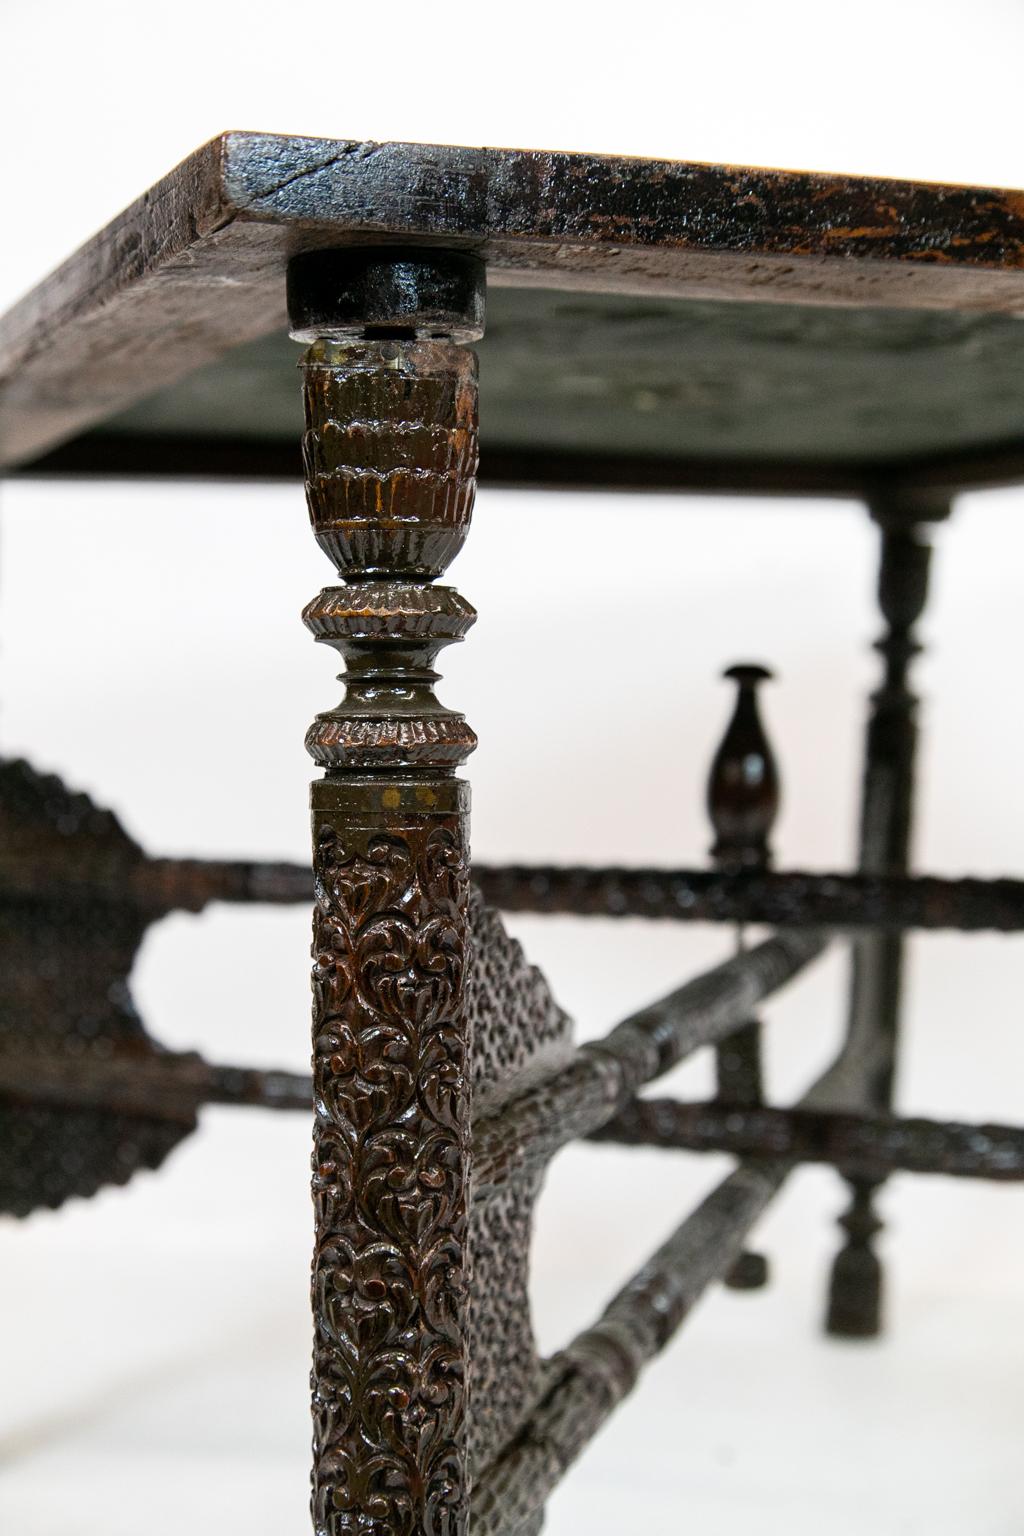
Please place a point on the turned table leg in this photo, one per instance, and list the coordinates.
(390, 452)
(855, 1294)
(743, 802)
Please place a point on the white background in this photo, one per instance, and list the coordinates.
(154, 1342)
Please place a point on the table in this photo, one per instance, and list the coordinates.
(649, 325)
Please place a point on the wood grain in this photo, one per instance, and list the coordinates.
(197, 265)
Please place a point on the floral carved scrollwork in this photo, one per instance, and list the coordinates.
(390, 1158)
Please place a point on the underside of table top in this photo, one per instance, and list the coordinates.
(649, 323)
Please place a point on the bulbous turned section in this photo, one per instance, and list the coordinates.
(743, 801)
(855, 1294)
(390, 452)
(389, 634)
(743, 787)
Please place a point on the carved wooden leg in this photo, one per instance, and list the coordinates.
(743, 802)
(390, 452)
(855, 1295)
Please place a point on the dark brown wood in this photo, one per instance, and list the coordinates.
(390, 452)
(743, 789)
(152, 1084)
(119, 455)
(87, 1096)
(743, 802)
(391, 1168)
(65, 1002)
(154, 886)
(77, 893)
(855, 1291)
(58, 847)
(197, 266)
(418, 1292)
(174, 1087)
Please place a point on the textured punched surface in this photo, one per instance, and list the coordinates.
(64, 993)
(529, 1036)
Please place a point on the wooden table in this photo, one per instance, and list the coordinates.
(649, 325)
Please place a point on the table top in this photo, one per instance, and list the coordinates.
(650, 323)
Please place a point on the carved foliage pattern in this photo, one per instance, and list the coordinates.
(390, 1169)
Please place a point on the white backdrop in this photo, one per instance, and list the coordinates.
(154, 1342)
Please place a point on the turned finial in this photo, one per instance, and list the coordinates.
(743, 802)
(390, 452)
(743, 787)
